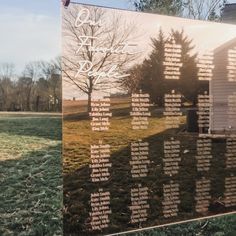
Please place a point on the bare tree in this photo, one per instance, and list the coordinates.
(25, 91)
(98, 52)
(41, 95)
(51, 71)
(6, 84)
(32, 70)
(26, 83)
(47, 69)
(203, 9)
(7, 70)
(168, 7)
(194, 9)
(38, 88)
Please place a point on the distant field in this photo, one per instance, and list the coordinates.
(30, 174)
(71, 107)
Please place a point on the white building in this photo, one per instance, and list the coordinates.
(223, 116)
(223, 90)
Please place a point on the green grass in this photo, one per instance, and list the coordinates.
(30, 173)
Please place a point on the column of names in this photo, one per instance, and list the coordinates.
(230, 153)
(204, 106)
(172, 111)
(139, 159)
(172, 62)
(100, 162)
(172, 157)
(100, 114)
(202, 197)
(231, 110)
(232, 65)
(230, 191)
(139, 204)
(140, 111)
(100, 205)
(204, 154)
(171, 199)
(205, 66)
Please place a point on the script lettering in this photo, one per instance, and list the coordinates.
(83, 17)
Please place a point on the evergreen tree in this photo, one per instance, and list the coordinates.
(153, 80)
(188, 84)
(152, 70)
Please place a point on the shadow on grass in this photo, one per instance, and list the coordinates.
(43, 127)
(31, 193)
(78, 187)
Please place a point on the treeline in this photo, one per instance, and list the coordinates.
(197, 9)
(37, 88)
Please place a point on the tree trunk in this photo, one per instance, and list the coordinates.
(89, 102)
(28, 98)
(90, 94)
(28, 103)
(37, 103)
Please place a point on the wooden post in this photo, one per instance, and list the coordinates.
(66, 2)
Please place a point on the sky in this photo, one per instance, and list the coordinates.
(30, 29)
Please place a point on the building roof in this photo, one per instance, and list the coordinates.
(226, 46)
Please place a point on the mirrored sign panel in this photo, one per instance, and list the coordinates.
(149, 120)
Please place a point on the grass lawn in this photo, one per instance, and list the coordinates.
(30, 175)
(77, 185)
